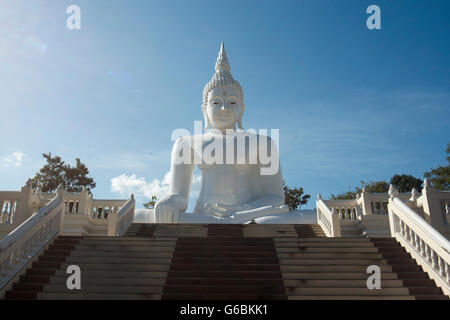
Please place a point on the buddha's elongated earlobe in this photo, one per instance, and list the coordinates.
(205, 116)
(240, 118)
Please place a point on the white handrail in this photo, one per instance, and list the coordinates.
(22, 244)
(119, 222)
(328, 220)
(426, 245)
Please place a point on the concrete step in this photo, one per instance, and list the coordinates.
(227, 274)
(330, 255)
(296, 244)
(218, 281)
(229, 289)
(333, 262)
(101, 260)
(324, 240)
(223, 296)
(96, 296)
(110, 254)
(335, 276)
(225, 267)
(95, 243)
(102, 288)
(342, 283)
(121, 249)
(347, 292)
(386, 297)
(330, 268)
(205, 260)
(104, 266)
(87, 274)
(327, 250)
(95, 280)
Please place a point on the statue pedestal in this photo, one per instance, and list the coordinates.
(307, 216)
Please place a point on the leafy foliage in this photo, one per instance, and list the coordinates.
(440, 177)
(405, 182)
(293, 197)
(56, 171)
(151, 203)
(371, 186)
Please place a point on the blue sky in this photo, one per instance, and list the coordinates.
(351, 103)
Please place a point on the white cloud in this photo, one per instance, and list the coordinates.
(15, 159)
(127, 184)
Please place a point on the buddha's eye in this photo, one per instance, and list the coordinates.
(232, 102)
(215, 102)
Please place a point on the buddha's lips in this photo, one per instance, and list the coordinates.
(224, 116)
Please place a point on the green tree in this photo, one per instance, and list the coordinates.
(371, 186)
(440, 177)
(151, 203)
(405, 182)
(375, 186)
(294, 197)
(345, 195)
(56, 171)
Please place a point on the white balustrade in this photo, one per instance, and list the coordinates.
(120, 220)
(21, 245)
(346, 209)
(327, 219)
(426, 245)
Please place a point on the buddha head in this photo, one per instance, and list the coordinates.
(223, 99)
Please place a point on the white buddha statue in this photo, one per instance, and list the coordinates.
(235, 190)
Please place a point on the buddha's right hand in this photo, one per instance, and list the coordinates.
(167, 208)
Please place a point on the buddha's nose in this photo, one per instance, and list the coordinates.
(222, 107)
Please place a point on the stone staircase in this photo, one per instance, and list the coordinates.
(216, 262)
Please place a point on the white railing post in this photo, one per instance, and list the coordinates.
(60, 194)
(432, 207)
(336, 231)
(24, 206)
(366, 202)
(119, 222)
(112, 224)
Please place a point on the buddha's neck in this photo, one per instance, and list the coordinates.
(226, 130)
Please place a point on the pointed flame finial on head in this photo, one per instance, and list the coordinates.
(222, 63)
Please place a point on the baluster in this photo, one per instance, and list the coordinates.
(5, 212)
(429, 255)
(441, 263)
(418, 243)
(434, 262)
(408, 237)
(3, 269)
(423, 245)
(447, 271)
(402, 228)
(1, 211)
(413, 238)
(13, 211)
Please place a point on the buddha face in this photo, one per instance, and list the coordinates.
(223, 107)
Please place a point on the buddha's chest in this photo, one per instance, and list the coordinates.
(239, 151)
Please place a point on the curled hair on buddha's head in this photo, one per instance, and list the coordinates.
(222, 78)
